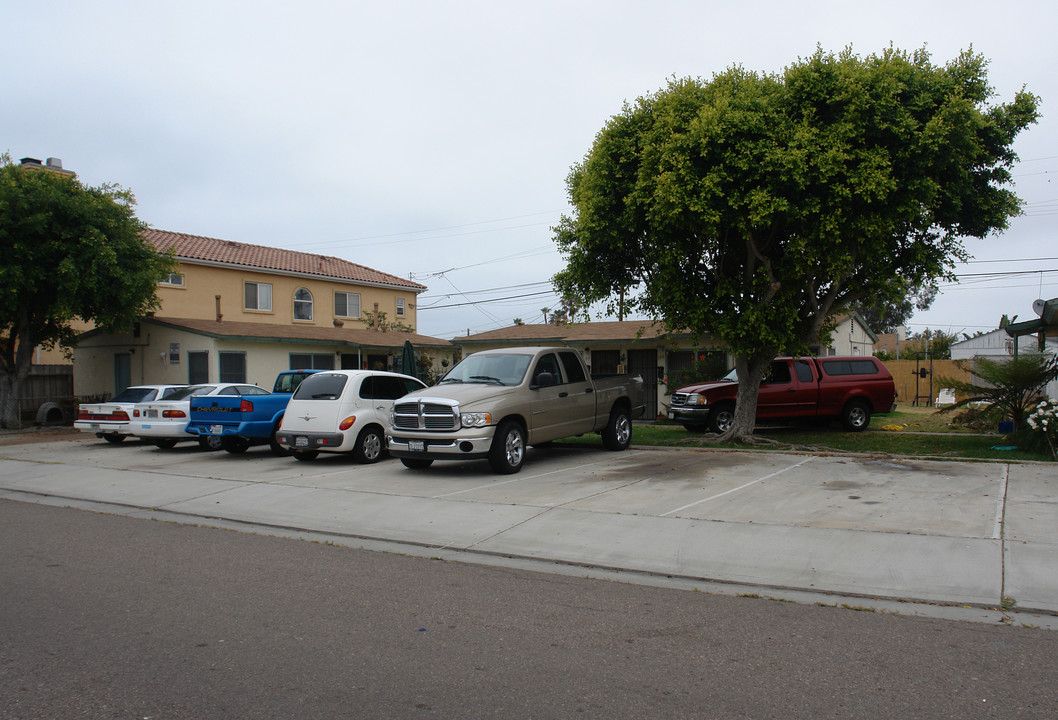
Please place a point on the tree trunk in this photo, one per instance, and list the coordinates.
(9, 386)
(11, 380)
(750, 372)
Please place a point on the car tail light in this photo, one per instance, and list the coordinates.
(120, 415)
(84, 415)
(347, 423)
(135, 413)
(246, 406)
(173, 413)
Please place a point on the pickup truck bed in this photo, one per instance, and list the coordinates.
(242, 421)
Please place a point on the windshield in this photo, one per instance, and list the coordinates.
(134, 395)
(732, 376)
(321, 386)
(497, 369)
(189, 391)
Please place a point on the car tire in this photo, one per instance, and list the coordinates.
(856, 416)
(416, 463)
(277, 449)
(166, 444)
(234, 444)
(305, 454)
(508, 448)
(114, 438)
(370, 445)
(210, 442)
(721, 418)
(617, 435)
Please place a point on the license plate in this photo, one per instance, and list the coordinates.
(301, 442)
(417, 445)
(672, 416)
(151, 413)
(216, 429)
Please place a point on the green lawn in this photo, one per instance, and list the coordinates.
(921, 434)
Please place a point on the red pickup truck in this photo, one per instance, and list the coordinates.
(849, 389)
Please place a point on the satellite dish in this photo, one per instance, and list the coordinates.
(1037, 307)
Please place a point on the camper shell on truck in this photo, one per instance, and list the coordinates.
(845, 388)
(495, 403)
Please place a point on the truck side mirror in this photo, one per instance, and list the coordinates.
(543, 380)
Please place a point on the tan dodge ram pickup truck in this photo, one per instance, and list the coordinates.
(495, 403)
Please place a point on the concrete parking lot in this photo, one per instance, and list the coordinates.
(979, 534)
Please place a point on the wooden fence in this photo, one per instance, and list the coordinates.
(911, 386)
(46, 396)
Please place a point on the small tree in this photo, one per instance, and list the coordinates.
(67, 252)
(1012, 386)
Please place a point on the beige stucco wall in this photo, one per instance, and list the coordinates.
(202, 283)
(149, 358)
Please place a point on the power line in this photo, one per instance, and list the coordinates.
(385, 239)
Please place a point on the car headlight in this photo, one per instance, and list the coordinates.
(475, 419)
(695, 399)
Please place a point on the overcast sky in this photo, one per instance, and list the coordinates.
(432, 140)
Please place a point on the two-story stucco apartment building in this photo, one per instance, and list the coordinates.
(235, 312)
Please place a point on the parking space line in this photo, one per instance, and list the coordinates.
(1001, 504)
(732, 490)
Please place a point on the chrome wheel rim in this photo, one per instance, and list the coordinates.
(515, 448)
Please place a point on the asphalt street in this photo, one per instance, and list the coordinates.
(109, 616)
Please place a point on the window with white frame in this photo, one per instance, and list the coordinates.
(347, 304)
(400, 307)
(174, 279)
(258, 296)
(302, 304)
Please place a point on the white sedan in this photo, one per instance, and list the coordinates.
(165, 421)
(343, 411)
(110, 420)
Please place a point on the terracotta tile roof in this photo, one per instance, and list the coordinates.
(264, 332)
(197, 247)
(612, 331)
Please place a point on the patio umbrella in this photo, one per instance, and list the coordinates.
(408, 360)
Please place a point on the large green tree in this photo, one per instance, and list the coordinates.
(67, 252)
(753, 207)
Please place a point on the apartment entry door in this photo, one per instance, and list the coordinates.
(645, 364)
(122, 371)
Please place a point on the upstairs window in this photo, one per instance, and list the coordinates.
(173, 279)
(347, 304)
(400, 307)
(302, 304)
(258, 296)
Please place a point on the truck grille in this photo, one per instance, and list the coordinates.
(678, 399)
(425, 416)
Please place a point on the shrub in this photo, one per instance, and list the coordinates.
(1043, 422)
(1012, 385)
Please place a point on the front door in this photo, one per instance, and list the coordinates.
(198, 367)
(122, 371)
(645, 364)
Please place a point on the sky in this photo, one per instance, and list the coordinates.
(432, 140)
